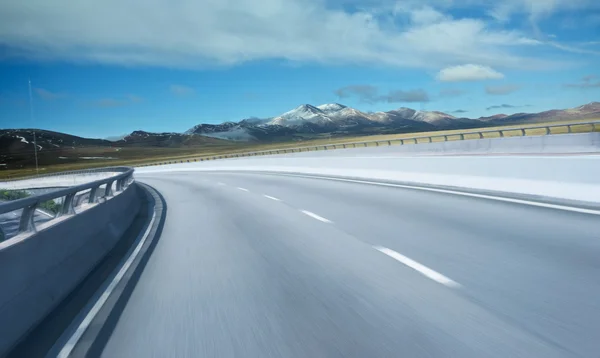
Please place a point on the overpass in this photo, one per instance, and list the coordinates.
(349, 253)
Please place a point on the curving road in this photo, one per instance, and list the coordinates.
(253, 265)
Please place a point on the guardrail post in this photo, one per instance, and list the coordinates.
(92, 198)
(26, 223)
(353, 145)
(501, 133)
(430, 140)
(445, 138)
(593, 127)
(108, 190)
(344, 146)
(120, 184)
(401, 141)
(389, 142)
(377, 144)
(462, 136)
(67, 205)
(480, 135)
(568, 128)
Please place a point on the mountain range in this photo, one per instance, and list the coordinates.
(338, 120)
(302, 123)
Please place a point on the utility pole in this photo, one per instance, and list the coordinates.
(37, 170)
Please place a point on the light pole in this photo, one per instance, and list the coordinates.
(37, 170)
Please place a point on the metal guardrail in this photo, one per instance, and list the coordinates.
(30, 204)
(69, 172)
(501, 131)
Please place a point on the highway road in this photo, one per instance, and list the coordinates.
(9, 222)
(257, 265)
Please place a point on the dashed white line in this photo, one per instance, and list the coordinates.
(446, 191)
(271, 197)
(242, 189)
(424, 270)
(315, 216)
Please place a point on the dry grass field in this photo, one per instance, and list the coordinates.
(137, 156)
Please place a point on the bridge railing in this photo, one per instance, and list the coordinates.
(66, 197)
(479, 133)
(68, 172)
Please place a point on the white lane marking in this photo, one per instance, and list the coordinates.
(271, 197)
(242, 189)
(45, 213)
(426, 271)
(219, 183)
(446, 191)
(315, 216)
(83, 326)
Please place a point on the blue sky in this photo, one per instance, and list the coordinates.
(106, 68)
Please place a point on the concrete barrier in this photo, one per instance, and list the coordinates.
(38, 271)
(573, 177)
(551, 144)
(560, 143)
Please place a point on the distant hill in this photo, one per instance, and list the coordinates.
(302, 123)
(171, 140)
(17, 148)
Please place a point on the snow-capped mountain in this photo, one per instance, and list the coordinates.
(338, 119)
(331, 108)
(302, 115)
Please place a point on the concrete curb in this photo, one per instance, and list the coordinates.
(97, 331)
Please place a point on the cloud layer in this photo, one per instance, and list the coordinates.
(469, 72)
(188, 33)
(589, 81)
(47, 95)
(181, 90)
(501, 89)
(505, 106)
(112, 102)
(370, 94)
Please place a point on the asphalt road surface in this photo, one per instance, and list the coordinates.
(9, 222)
(255, 265)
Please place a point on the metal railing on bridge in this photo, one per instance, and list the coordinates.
(66, 197)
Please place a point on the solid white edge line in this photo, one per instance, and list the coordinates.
(315, 216)
(447, 191)
(424, 270)
(83, 326)
(271, 197)
(242, 189)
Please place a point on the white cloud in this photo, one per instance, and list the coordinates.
(426, 15)
(503, 10)
(180, 90)
(468, 72)
(194, 33)
(49, 95)
(501, 89)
